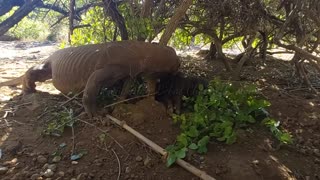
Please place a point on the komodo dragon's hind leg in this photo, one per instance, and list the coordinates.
(39, 73)
(106, 77)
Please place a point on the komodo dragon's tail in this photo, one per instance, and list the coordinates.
(14, 82)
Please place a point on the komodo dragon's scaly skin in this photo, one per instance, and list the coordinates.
(89, 67)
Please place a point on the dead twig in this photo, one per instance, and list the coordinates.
(70, 99)
(44, 113)
(115, 154)
(6, 114)
(160, 150)
(6, 121)
(73, 137)
(13, 109)
(130, 99)
(23, 104)
(119, 164)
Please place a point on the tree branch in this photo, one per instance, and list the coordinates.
(18, 15)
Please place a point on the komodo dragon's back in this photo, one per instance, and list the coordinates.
(71, 67)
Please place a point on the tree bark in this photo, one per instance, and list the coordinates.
(174, 21)
(71, 17)
(146, 9)
(7, 5)
(220, 54)
(18, 15)
(212, 52)
(112, 10)
(263, 46)
(246, 55)
(145, 13)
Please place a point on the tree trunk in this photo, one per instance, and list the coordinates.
(18, 15)
(220, 54)
(71, 17)
(112, 10)
(7, 5)
(174, 21)
(263, 46)
(115, 32)
(212, 52)
(145, 13)
(146, 9)
(246, 55)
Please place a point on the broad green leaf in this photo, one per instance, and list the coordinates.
(286, 138)
(232, 138)
(202, 149)
(182, 139)
(228, 131)
(193, 132)
(170, 148)
(181, 153)
(193, 146)
(171, 159)
(203, 141)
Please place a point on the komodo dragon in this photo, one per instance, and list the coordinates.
(90, 67)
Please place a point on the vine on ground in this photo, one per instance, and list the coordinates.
(216, 113)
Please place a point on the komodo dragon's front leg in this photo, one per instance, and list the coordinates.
(107, 77)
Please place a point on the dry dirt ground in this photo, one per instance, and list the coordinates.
(26, 152)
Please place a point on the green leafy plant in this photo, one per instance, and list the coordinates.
(101, 28)
(60, 121)
(216, 113)
(283, 137)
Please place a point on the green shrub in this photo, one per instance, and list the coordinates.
(216, 113)
(29, 28)
(100, 30)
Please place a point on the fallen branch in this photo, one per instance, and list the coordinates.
(70, 99)
(160, 150)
